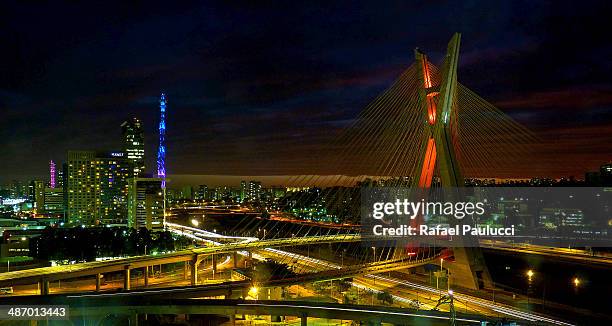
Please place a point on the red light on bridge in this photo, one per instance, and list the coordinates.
(431, 107)
(426, 75)
(428, 164)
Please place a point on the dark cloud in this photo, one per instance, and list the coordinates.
(257, 88)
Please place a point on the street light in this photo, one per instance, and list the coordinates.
(576, 281)
(530, 274)
(253, 292)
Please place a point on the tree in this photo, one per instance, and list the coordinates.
(270, 270)
(385, 297)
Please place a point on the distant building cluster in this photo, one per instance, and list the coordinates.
(96, 187)
(249, 192)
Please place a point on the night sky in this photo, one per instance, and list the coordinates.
(253, 89)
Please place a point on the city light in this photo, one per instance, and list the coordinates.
(52, 174)
(262, 196)
(161, 152)
(254, 292)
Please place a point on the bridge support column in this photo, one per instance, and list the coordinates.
(126, 278)
(146, 276)
(44, 287)
(469, 269)
(214, 265)
(235, 259)
(185, 270)
(195, 262)
(134, 319)
(98, 282)
(304, 320)
(249, 261)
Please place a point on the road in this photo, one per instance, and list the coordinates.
(54, 273)
(576, 255)
(410, 292)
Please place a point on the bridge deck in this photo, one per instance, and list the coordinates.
(54, 273)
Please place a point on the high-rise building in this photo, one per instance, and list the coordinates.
(81, 187)
(187, 193)
(112, 173)
(202, 193)
(96, 187)
(54, 201)
(277, 191)
(553, 217)
(243, 190)
(133, 144)
(222, 193)
(146, 203)
(30, 191)
(39, 195)
(18, 190)
(254, 190)
(60, 176)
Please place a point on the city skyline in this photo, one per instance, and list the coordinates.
(438, 163)
(282, 101)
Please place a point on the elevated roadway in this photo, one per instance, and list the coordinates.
(194, 256)
(96, 309)
(567, 254)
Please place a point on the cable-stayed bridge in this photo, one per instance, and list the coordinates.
(427, 130)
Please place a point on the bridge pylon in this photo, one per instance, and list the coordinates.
(439, 101)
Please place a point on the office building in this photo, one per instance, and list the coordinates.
(18, 190)
(60, 180)
(81, 187)
(54, 201)
(133, 145)
(146, 203)
(39, 195)
(96, 187)
(202, 193)
(243, 190)
(552, 217)
(187, 193)
(254, 191)
(112, 173)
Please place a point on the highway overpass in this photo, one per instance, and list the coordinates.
(567, 254)
(94, 310)
(45, 275)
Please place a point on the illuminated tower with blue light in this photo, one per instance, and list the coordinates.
(161, 151)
